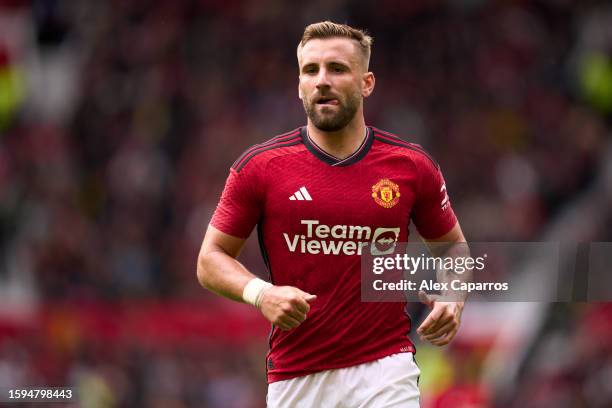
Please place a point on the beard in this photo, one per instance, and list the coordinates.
(328, 121)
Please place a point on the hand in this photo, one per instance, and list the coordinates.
(442, 323)
(286, 306)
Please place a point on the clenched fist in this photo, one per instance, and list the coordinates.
(286, 306)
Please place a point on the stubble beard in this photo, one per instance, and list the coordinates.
(332, 122)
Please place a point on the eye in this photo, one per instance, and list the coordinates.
(338, 68)
(310, 69)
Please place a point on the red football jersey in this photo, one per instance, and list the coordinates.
(315, 214)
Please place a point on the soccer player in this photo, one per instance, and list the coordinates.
(319, 195)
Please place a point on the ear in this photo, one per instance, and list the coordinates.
(300, 94)
(368, 81)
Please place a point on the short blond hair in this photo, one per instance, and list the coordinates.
(329, 29)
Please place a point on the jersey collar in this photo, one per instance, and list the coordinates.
(322, 155)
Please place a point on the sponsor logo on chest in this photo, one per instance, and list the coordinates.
(342, 239)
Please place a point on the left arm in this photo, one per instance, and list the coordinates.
(442, 323)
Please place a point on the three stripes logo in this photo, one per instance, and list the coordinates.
(301, 195)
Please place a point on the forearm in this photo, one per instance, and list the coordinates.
(219, 272)
(452, 245)
(442, 323)
(223, 274)
(455, 251)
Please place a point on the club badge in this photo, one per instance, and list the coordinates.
(386, 193)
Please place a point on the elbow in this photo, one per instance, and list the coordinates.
(202, 269)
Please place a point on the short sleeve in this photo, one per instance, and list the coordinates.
(432, 213)
(239, 208)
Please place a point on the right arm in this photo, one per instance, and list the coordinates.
(219, 271)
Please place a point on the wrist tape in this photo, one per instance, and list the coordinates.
(253, 291)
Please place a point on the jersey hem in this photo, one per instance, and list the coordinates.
(274, 377)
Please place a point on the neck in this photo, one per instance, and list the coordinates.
(341, 143)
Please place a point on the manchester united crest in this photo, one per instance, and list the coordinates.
(386, 193)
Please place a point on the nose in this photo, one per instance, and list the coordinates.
(322, 79)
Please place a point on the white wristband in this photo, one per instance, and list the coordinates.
(253, 291)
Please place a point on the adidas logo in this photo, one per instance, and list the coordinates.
(301, 195)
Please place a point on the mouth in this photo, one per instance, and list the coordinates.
(327, 101)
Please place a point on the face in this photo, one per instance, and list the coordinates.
(333, 82)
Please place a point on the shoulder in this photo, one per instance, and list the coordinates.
(284, 143)
(395, 144)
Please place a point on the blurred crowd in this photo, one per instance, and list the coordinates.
(119, 121)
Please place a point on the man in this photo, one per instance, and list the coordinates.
(319, 195)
